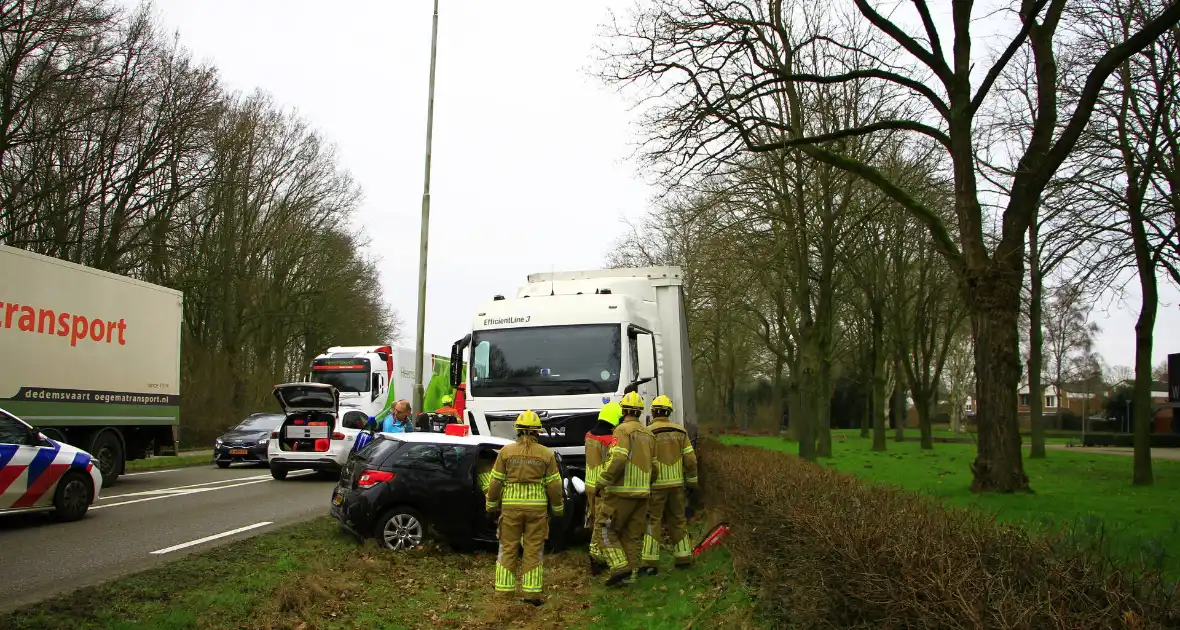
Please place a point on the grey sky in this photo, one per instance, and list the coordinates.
(529, 168)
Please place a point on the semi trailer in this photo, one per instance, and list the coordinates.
(90, 358)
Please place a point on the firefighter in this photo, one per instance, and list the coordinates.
(526, 482)
(599, 439)
(666, 506)
(448, 408)
(624, 486)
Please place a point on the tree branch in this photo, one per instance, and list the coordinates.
(881, 125)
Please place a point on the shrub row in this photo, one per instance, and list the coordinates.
(827, 550)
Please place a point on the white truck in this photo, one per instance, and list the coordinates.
(90, 358)
(370, 379)
(570, 342)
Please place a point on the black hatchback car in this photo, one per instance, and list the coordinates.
(247, 442)
(403, 487)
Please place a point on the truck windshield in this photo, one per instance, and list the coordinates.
(351, 382)
(546, 360)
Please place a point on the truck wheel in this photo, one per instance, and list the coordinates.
(73, 495)
(108, 450)
(55, 435)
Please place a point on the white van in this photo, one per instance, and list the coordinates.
(313, 435)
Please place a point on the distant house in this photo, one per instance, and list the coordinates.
(1162, 422)
(1081, 399)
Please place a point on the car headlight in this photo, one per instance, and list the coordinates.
(264, 440)
(218, 442)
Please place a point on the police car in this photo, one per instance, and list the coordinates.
(40, 474)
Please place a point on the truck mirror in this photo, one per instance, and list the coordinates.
(457, 360)
(645, 345)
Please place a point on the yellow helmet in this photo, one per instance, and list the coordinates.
(528, 421)
(661, 406)
(632, 401)
(448, 399)
(611, 413)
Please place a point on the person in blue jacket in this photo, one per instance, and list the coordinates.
(399, 420)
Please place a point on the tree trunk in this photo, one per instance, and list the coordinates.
(1036, 342)
(1144, 331)
(776, 393)
(866, 420)
(793, 410)
(923, 405)
(809, 391)
(994, 300)
(880, 385)
(898, 402)
(823, 409)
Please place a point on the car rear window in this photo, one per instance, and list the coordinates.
(379, 450)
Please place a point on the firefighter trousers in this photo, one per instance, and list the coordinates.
(596, 550)
(621, 523)
(527, 527)
(666, 510)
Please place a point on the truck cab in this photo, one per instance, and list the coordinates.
(364, 376)
(569, 342)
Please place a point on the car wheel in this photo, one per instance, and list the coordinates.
(278, 473)
(400, 528)
(73, 495)
(221, 464)
(108, 453)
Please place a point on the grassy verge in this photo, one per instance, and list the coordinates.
(1089, 493)
(171, 461)
(311, 576)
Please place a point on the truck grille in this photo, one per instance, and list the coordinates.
(558, 428)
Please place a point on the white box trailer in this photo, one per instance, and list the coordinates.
(90, 358)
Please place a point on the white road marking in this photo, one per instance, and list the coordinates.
(185, 487)
(208, 538)
(185, 493)
(151, 472)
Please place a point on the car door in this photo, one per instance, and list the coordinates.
(430, 486)
(483, 524)
(26, 475)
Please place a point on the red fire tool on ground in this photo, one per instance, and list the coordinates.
(713, 539)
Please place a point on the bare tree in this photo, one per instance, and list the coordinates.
(715, 64)
(1069, 334)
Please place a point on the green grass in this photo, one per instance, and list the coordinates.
(309, 575)
(1089, 493)
(171, 461)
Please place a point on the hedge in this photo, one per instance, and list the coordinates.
(826, 550)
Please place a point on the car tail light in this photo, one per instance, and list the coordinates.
(371, 477)
(322, 445)
(274, 435)
(337, 436)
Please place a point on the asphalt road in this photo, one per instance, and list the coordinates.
(146, 519)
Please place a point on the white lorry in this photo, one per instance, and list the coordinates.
(370, 379)
(90, 358)
(570, 342)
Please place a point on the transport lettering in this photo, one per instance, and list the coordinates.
(48, 322)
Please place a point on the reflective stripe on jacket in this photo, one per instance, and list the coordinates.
(632, 466)
(525, 476)
(675, 457)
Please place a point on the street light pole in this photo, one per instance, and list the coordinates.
(419, 342)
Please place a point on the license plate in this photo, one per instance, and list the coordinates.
(238, 451)
(338, 499)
